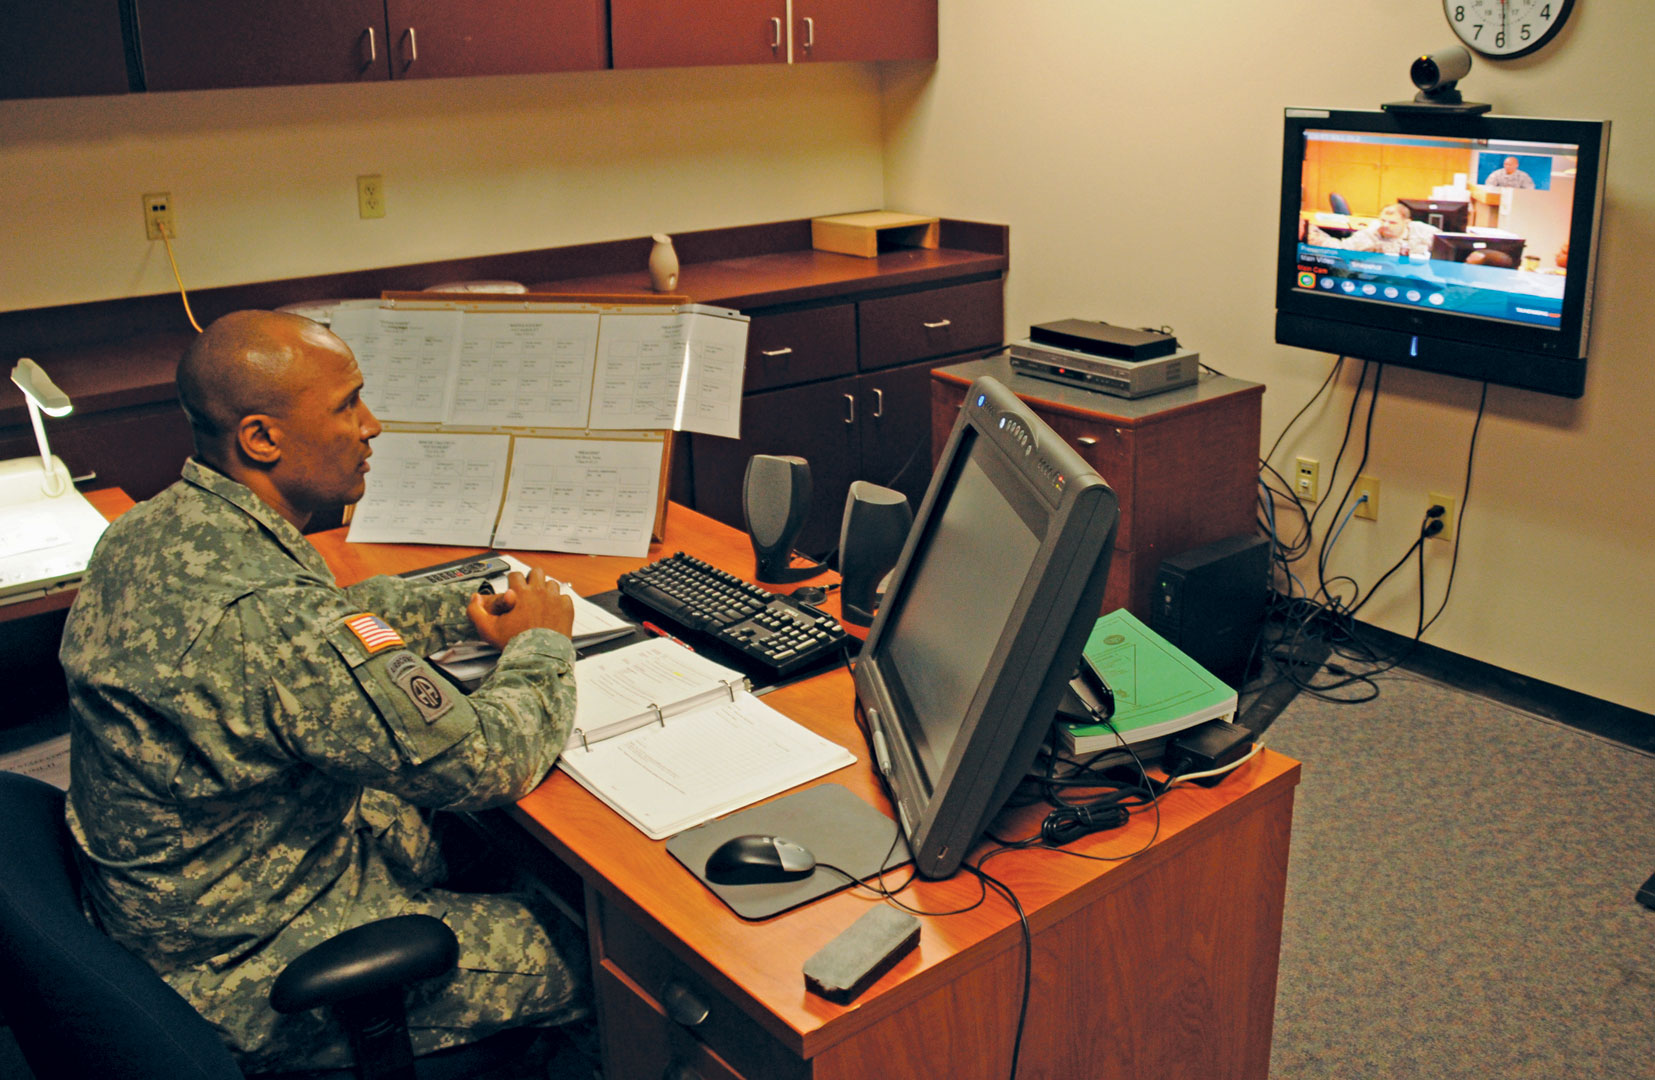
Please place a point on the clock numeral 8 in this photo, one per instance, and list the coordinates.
(1459, 14)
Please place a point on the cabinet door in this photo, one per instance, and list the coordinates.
(433, 39)
(894, 429)
(62, 49)
(686, 33)
(864, 30)
(202, 44)
(815, 422)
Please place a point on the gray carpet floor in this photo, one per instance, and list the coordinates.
(1460, 896)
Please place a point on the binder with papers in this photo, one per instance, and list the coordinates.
(669, 739)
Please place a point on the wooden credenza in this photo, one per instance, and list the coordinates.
(1184, 464)
(839, 353)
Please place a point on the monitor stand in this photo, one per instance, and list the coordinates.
(832, 821)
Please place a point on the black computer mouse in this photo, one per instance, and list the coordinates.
(754, 860)
(809, 594)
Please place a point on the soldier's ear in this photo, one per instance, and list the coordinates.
(259, 438)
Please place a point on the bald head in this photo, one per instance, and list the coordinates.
(275, 402)
(244, 363)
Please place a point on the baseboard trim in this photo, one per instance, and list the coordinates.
(1621, 724)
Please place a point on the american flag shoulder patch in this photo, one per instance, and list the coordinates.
(373, 633)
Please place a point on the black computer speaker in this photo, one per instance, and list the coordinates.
(871, 535)
(775, 499)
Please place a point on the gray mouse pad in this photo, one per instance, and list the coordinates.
(829, 819)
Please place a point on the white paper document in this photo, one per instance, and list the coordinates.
(591, 496)
(681, 371)
(432, 488)
(528, 370)
(48, 761)
(44, 540)
(680, 762)
(407, 358)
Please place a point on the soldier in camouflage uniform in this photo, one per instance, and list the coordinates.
(251, 744)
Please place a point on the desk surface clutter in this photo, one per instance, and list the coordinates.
(1193, 922)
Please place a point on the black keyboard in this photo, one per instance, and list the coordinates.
(772, 636)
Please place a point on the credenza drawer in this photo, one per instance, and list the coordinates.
(934, 322)
(687, 1009)
(787, 347)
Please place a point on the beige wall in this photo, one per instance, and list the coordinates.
(263, 181)
(1134, 149)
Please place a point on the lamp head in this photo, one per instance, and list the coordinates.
(39, 389)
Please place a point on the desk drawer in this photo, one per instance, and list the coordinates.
(691, 1017)
(935, 322)
(805, 345)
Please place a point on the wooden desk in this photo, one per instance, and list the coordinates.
(1160, 966)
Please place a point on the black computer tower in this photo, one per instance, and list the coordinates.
(1210, 603)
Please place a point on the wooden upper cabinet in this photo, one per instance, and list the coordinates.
(687, 33)
(62, 49)
(433, 39)
(864, 30)
(203, 44)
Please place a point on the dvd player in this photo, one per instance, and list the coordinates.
(1122, 378)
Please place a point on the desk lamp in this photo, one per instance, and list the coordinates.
(43, 396)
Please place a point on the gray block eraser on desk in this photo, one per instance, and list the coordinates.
(867, 949)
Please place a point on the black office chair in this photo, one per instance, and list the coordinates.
(1338, 203)
(81, 1006)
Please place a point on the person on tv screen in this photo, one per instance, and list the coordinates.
(1510, 176)
(1395, 233)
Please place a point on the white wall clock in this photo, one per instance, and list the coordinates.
(1506, 28)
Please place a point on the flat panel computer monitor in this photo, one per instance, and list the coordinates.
(991, 601)
(1449, 215)
(1527, 324)
(1501, 252)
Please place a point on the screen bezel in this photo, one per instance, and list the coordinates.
(1456, 343)
(1036, 650)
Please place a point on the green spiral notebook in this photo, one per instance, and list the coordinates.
(1158, 690)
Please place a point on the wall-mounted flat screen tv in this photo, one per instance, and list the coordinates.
(1450, 243)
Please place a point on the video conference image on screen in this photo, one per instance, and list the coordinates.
(1472, 226)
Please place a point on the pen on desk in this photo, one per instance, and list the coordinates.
(658, 632)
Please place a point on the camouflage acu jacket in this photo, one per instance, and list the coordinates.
(249, 740)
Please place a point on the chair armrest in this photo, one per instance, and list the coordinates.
(365, 960)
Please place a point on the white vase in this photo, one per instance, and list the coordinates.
(663, 265)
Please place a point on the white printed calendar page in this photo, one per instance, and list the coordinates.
(680, 370)
(529, 370)
(591, 496)
(432, 488)
(406, 358)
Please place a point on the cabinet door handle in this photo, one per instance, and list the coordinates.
(878, 403)
(850, 409)
(775, 33)
(810, 31)
(786, 350)
(682, 1005)
(413, 46)
(373, 52)
(1087, 440)
(939, 324)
